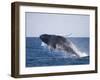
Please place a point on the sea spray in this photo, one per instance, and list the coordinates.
(77, 51)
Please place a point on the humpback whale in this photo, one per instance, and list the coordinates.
(56, 42)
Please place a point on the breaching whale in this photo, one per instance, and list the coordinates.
(56, 42)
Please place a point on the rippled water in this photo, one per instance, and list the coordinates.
(37, 55)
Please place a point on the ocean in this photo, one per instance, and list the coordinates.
(38, 56)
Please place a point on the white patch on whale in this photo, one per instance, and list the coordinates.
(43, 44)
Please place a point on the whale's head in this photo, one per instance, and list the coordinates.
(45, 38)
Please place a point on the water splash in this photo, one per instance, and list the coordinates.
(77, 51)
(66, 55)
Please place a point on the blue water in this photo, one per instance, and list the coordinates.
(37, 55)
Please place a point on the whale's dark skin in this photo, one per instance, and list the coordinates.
(57, 42)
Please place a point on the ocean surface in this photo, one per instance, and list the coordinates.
(37, 55)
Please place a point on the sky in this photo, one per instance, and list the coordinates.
(70, 25)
